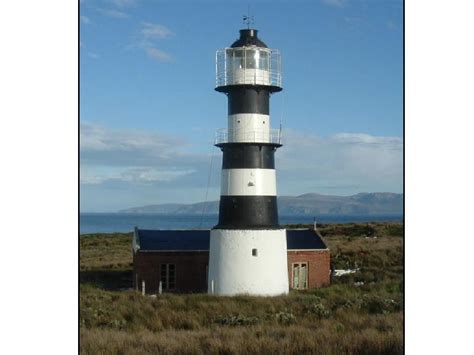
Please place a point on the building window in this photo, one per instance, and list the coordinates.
(300, 276)
(254, 252)
(168, 276)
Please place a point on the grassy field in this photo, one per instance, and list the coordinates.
(360, 313)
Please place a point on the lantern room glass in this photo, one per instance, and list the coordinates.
(248, 65)
(247, 59)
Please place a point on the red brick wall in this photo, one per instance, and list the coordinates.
(318, 266)
(190, 270)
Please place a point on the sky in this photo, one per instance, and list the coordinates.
(149, 112)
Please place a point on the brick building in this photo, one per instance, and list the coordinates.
(180, 260)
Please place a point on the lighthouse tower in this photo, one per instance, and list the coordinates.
(248, 253)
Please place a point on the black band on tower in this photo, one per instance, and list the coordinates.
(248, 156)
(248, 212)
(248, 99)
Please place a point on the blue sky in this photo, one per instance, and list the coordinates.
(148, 108)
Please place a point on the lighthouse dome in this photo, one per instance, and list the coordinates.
(248, 38)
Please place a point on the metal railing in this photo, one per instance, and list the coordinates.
(236, 70)
(225, 135)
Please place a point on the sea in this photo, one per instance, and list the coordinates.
(126, 222)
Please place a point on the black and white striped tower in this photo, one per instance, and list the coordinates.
(248, 253)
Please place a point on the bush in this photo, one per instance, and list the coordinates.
(319, 310)
(374, 304)
(237, 320)
(285, 318)
(395, 230)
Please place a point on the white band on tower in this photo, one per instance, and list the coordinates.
(248, 182)
(249, 127)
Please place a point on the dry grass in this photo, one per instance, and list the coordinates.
(345, 318)
(323, 338)
(105, 251)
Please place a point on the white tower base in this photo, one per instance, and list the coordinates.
(253, 262)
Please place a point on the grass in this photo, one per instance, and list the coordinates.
(360, 313)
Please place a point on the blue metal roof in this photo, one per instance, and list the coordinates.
(304, 239)
(173, 239)
(198, 239)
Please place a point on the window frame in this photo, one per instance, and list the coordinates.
(165, 277)
(301, 285)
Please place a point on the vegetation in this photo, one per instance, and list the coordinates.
(360, 313)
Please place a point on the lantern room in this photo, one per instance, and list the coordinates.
(248, 62)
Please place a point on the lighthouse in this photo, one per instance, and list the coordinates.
(248, 247)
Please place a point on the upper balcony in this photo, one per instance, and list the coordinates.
(248, 66)
(271, 136)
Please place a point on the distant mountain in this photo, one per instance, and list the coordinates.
(308, 204)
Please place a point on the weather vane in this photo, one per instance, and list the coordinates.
(248, 19)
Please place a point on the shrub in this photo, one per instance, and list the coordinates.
(319, 310)
(339, 327)
(285, 318)
(375, 304)
(395, 230)
(237, 320)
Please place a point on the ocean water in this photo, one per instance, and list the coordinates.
(125, 222)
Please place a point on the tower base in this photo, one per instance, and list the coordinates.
(253, 262)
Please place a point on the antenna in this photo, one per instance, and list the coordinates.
(248, 19)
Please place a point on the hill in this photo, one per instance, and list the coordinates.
(311, 204)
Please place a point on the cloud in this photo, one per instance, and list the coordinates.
(353, 161)
(132, 175)
(152, 174)
(123, 168)
(335, 3)
(99, 139)
(113, 13)
(354, 21)
(157, 54)
(86, 20)
(149, 35)
(155, 31)
(86, 179)
(367, 139)
(391, 26)
(93, 55)
(123, 3)
(135, 156)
